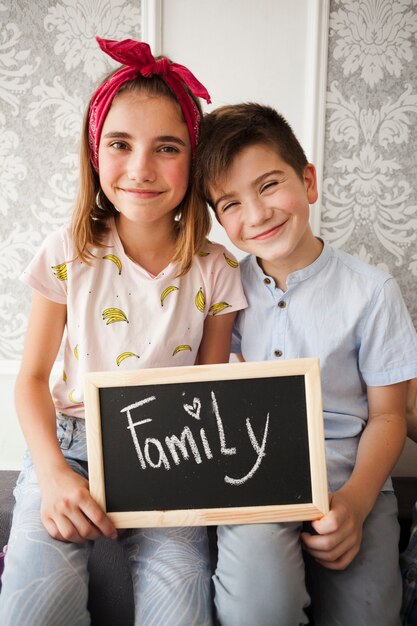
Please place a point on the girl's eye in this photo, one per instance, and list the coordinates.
(168, 149)
(269, 185)
(119, 145)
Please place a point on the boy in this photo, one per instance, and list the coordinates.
(308, 300)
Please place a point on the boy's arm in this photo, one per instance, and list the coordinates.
(340, 531)
(411, 413)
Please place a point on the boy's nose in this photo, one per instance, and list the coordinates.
(140, 167)
(256, 212)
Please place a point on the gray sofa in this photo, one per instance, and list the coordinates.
(110, 597)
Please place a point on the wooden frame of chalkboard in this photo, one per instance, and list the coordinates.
(207, 444)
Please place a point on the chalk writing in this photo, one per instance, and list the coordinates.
(151, 452)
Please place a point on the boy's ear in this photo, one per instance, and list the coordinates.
(310, 183)
(217, 217)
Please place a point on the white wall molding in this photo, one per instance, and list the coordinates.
(152, 24)
(315, 104)
(9, 368)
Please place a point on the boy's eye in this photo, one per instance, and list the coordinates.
(269, 185)
(228, 206)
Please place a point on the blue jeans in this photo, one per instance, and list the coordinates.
(408, 562)
(262, 571)
(45, 581)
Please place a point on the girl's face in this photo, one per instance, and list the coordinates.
(144, 157)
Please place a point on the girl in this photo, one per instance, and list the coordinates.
(131, 282)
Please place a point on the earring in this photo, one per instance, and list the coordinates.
(98, 200)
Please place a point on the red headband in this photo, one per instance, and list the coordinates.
(137, 58)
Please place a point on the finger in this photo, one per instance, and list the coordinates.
(62, 529)
(100, 520)
(331, 522)
(334, 553)
(52, 529)
(324, 542)
(84, 527)
(342, 562)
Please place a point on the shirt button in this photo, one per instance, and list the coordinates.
(267, 281)
(278, 353)
(282, 304)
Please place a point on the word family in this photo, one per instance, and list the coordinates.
(172, 450)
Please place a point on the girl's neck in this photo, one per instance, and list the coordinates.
(151, 248)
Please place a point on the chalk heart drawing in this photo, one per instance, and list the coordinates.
(194, 408)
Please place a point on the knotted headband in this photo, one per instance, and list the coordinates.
(138, 60)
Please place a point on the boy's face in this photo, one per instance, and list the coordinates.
(264, 207)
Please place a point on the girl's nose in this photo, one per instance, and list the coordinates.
(140, 167)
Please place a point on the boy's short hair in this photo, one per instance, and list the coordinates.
(229, 129)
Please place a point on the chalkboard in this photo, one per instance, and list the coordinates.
(208, 444)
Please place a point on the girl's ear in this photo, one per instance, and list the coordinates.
(310, 183)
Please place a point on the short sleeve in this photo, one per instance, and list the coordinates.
(227, 293)
(47, 273)
(236, 347)
(388, 349)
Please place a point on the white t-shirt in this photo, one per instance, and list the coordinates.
(121, 317)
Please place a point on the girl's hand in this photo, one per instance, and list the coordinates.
(339, 533)
(68, 511)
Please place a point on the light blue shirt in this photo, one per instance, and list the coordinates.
(351, 316)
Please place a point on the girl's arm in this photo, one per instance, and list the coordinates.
(411, 413)
(217, 337)
(67, 506)
(340, 531)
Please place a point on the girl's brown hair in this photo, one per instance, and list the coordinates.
(93, 209)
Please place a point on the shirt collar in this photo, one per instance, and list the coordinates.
(299, 275)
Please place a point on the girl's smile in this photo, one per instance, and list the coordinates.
(144, 158)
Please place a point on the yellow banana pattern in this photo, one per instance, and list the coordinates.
(181, 348)
(230, 261)
(71, 397)
(200, 300)
(60, 271)
(125, 355)
(218, 307)
(166, 292)
(112, 315)
(115, 259)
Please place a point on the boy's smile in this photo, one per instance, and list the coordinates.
(264, 207)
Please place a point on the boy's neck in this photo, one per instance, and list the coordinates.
(280, 270)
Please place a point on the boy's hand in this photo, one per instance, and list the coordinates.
(68, 511)
(339, 533)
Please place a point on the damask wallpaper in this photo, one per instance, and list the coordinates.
(49, 65)
(369, 204)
